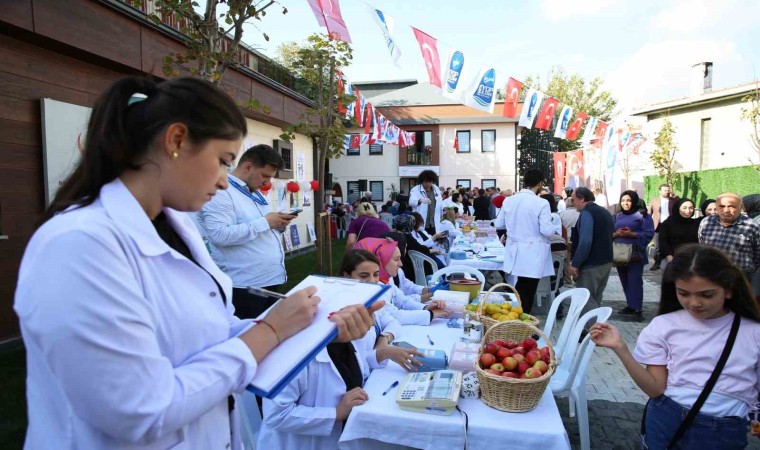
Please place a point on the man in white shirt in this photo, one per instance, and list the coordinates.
(527, 253)
(243, 232)
(659, 209)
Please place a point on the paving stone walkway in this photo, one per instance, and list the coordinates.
(615, 403)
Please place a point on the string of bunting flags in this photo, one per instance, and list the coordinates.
(452, 73)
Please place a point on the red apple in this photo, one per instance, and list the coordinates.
(532, 357)
(544, 351)
(509, 363)
(495, 372)
(542, 366)
(532, 372)
(529, 343)
(491, 348)
(500, 342)
(522, 366)
(498, 366)
(545, 358)
(503, 353)
(487, 360)
(509, 374)
(511, 344)
(518, 357)
(518, 349)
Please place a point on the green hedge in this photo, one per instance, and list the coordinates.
(704, 184)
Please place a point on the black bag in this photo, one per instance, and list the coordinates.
(692, 414)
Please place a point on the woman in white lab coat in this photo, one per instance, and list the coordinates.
(425, 196)
(130, 335)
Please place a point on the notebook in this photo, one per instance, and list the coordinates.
(283, 363)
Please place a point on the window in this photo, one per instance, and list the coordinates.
(377, 190)
(463, 141)
(353, 151)
(376, 149)
(488, 141)
(488, 183)
(286, 151)
(704, 144)
(464, 183)
(422, 151)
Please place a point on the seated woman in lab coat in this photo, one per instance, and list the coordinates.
(450, 225)
(404, 308)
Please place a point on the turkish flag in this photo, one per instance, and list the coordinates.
(576, 176)
(601, 130)
(560, 164)
(576, 126)
(546, 115)
(341, 87)
(369, 117)
(355, 141)
(328, 15)
(511, 97)
(358, 112)
(429, 49)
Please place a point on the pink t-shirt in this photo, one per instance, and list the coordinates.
(690, 348)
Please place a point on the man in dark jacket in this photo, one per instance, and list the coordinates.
(592, 247)
(481, 204)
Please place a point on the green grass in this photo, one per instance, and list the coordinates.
(13, 360)
(299, 266)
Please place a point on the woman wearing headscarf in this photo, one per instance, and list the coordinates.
(633, 227)
(403, 308)
(708, 208)
(680, 228)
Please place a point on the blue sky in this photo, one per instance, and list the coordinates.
(642, 49)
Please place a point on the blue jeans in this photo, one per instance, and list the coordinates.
(706, 432)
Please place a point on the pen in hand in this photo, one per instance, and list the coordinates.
(395, 383)
(430, 340)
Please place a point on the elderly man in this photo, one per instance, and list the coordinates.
(734, 233)
(592, 247)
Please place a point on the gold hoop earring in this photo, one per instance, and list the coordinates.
(175, 155)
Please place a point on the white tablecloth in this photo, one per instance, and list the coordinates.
(381, 424)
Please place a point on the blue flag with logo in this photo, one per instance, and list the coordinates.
(385, 23)
(482, 92)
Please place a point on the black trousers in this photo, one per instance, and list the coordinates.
(527, 287)
(250, 306)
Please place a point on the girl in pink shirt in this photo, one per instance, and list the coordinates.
(702, 292)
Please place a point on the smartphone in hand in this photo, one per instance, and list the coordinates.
(295, 211)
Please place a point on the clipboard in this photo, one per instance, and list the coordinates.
(293, 354)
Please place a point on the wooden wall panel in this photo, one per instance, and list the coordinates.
(14, 132)
(270, 97)
(22, 110)
(18, 13)
(16, 156)
(25, 88)
(91, 27)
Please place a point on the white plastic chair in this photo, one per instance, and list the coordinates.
(569, 380)
(435, 278)
(545, 287)
(578, 299)
(418, 262)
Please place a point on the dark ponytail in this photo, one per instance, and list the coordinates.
(123, 126)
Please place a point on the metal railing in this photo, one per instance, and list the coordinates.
(415, 158)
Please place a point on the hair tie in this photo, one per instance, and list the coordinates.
(137, 97)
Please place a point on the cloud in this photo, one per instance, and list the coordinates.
(557, 10)
(662, 71)
(686, 16)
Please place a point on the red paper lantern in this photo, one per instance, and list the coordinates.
(266, 188)
(292, 186)
(315, 185)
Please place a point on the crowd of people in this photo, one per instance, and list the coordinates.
(138, 333)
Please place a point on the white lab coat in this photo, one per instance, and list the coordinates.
(417, 193)
(405, 309)
(302, 415)
(527, 220)
(129, 344)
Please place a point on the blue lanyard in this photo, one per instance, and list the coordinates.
(255, 196)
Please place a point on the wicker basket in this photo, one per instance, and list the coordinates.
(488, 322)
(513, 394)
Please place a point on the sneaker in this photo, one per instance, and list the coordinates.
(638, 315)
(655, 267)
(627, 311)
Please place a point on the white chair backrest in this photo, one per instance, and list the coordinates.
(578, 298)
(436, 278)
(578, 355)
(545, 286)
(418, 261)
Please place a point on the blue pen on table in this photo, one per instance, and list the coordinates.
(395, 383)
(430, 340)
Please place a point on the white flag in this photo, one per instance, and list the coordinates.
(481, 93)
(564, 122)
(530, 107)
(455, 77)
(385, 23)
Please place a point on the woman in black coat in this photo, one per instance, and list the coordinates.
(680, 228)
